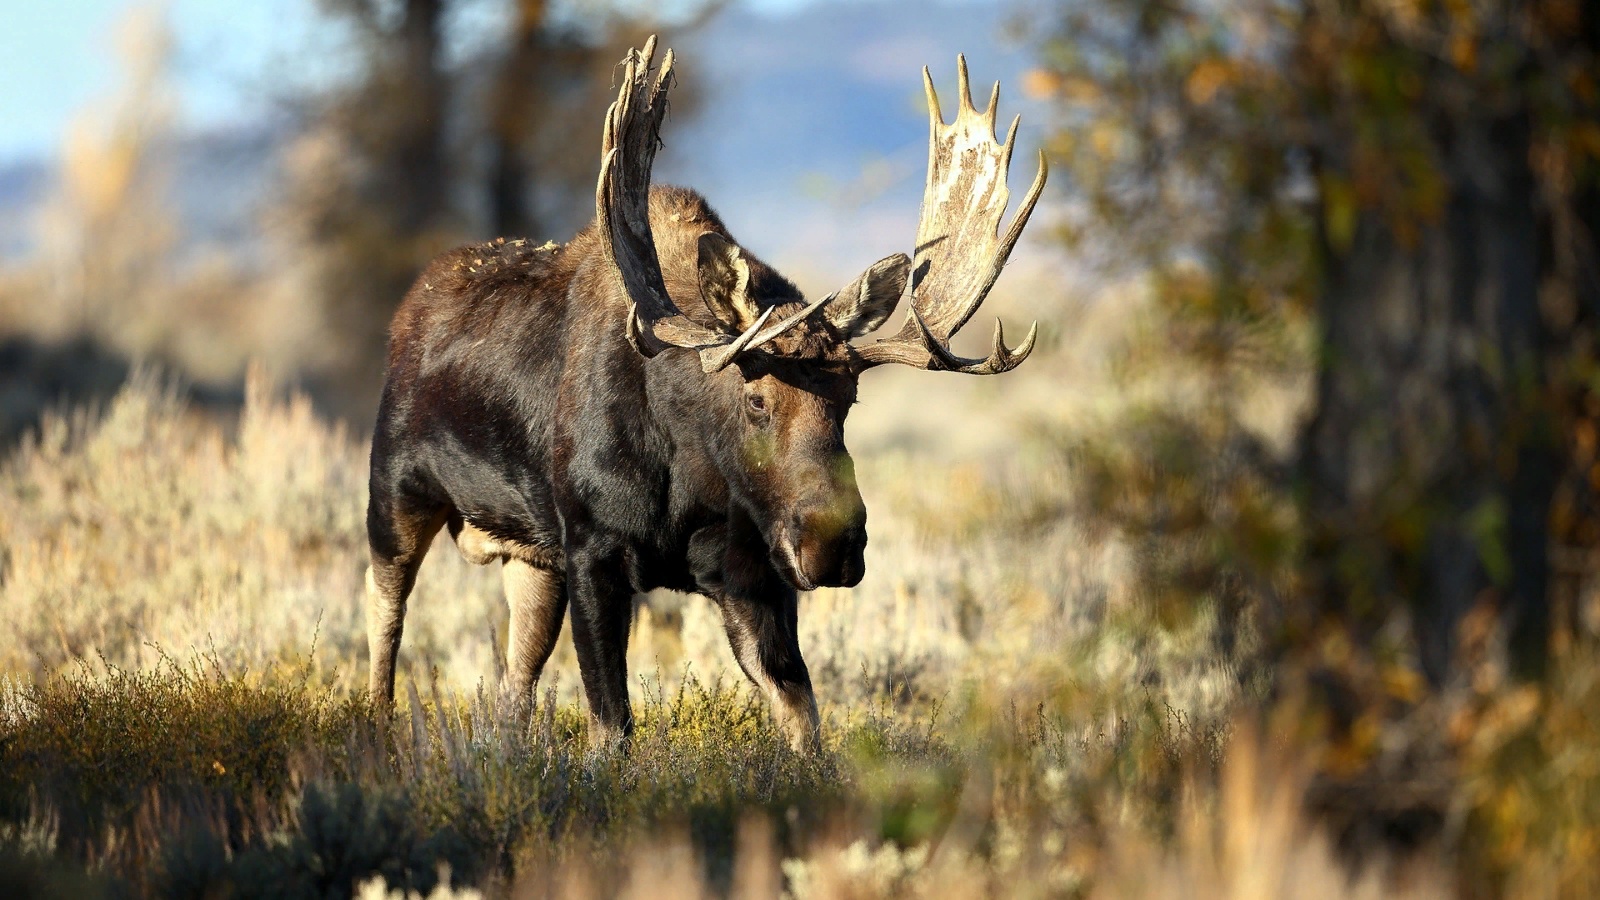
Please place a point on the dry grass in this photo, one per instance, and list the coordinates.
(1007, 712)
(1002, 717)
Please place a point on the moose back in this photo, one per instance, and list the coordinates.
(651, 406)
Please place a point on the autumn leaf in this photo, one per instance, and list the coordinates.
(1208, 78)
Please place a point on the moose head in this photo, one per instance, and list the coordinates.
(777, 375)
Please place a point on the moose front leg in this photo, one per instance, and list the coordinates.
(602, 609)
(765, 639)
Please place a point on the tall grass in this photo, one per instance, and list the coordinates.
(180, 715)
(198, 782)
(1004, 715)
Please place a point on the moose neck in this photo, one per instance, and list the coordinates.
(694, 413)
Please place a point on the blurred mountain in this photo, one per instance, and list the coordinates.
(217, 181)
(23, 187)
(812, 140)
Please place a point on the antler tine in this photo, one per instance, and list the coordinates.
(963, 86)
(1021, 221)
(935, 115)
(1011, 141)
(1000, 358)
(716, 359)
(791, 321)
(755, 336)
(960, 250)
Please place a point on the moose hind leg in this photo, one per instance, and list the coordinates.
(766, 643)
(538, 601)
(398, 540)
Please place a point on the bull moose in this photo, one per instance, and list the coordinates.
(651, 406)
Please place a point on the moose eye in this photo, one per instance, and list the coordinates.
(758, 403)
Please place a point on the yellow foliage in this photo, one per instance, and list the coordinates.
(1208, 78)
(1105, 137)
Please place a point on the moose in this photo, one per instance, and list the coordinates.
(651, 406)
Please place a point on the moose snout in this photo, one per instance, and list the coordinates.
(829, 544)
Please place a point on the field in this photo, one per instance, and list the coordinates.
(187, 639)
(1005, 713)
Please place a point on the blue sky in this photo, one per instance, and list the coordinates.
(229, 57)
(56, 58)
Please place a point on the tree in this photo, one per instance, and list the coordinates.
(418, 153)
(1420, 181)
(1432, 464)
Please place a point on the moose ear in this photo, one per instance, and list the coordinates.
(865, 303)
(725, 282)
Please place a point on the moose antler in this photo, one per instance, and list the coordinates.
(622, 215)
(959, 251)
(622, 208)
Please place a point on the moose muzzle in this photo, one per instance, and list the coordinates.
(825, 543)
